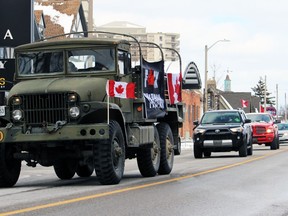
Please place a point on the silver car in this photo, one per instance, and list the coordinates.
(283, 132)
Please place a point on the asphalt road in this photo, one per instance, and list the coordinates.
(224, 184)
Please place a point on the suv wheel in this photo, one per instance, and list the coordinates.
(198, 153)
(243, 150)
(250, 149)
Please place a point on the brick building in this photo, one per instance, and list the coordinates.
(192, 101)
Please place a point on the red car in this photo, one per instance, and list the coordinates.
(264, 129)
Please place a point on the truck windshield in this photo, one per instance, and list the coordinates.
(76, 61)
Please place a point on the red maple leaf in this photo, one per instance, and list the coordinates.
(177, 86)
(151, 78)
(119, 89)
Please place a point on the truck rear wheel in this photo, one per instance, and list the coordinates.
(65, 168)
(167, 148)
(10, 167)
(109, 157)
(148, 160)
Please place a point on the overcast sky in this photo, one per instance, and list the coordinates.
(257, 30)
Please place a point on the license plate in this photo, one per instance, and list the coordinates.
(217, 142)
(2, 110)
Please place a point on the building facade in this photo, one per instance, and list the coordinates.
(167, 41)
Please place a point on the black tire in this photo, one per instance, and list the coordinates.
(177, 151)
(85, 170)
(207, 153)
(278, 143)
(65, 168)
(109, 156)
(167, 148)
(250, 149)
(198, 152)
(10, 167)
(273, 144)
(243, 149)
(148, 160)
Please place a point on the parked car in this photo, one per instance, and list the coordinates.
(222, 131)
(264, 129)
(283, 132)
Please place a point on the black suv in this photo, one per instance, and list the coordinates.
(223, 131)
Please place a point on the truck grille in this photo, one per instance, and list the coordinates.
(260, 130)
(45, 108)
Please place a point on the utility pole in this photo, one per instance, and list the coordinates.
(265, 90)
(285, 108)
(277, 101)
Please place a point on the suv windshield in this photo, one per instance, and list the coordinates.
(80, 60)
(221, 117)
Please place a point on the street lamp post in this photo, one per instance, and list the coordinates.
(206, 72)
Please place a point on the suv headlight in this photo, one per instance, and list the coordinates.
(74, 112)
(17, 115)
(201, 131)
(238, 129)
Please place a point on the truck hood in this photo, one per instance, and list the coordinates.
(88, 88)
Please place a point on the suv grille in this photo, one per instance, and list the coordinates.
(219, 135)
(44, 108)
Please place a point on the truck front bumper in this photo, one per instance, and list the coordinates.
(67, 132)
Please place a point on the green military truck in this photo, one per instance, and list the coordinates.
(58, 112)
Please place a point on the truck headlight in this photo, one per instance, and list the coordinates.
(74, 112)
(16, 101)
(17, 115)
(72, 97)
(237, 129)
(270, 130)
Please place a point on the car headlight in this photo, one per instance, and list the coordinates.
(270, 130)
(201, 131)
(17, 115)
(237, 129)
(74, 112)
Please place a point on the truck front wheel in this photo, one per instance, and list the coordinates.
(167, 148)
(148, 160)
(273, 145)
(109, 157)
(9, 167)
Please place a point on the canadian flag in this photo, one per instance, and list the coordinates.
(120, 89)
(244, 103)
(261, 109)
(174, 87)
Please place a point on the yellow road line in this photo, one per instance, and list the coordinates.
(69, 201)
